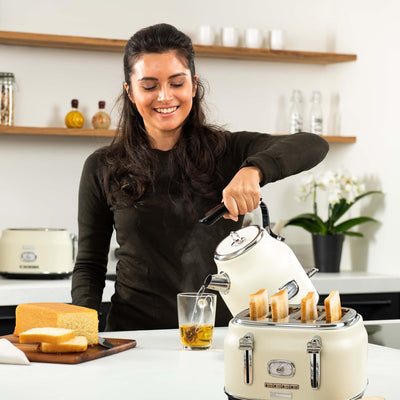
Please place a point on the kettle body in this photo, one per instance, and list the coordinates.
(252, 258)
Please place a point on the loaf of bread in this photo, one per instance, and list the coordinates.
(259, 305)
(280, 305)
(50, 335)
(75, 345)
(333, 308)
(308, 308)
(84, 321)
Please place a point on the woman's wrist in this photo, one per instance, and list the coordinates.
(257, 171)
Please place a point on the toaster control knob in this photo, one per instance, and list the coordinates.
(28, 256)
(281, 368)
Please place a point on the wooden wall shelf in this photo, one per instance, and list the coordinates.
(24, 130)
(118, 45)
(53, 131)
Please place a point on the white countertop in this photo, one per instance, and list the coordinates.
(159, 368)
(16, 291)
(355, 282)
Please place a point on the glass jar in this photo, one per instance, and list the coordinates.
(101, 120)
(7, 83)
(316, 113)
(296, 112)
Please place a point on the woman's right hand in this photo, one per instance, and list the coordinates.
(243, 193)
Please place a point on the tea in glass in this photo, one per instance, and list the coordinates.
(196, 316)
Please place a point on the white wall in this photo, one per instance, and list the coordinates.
(39, 175)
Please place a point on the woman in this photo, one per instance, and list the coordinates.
(165, 168)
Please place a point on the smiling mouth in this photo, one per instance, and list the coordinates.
(166, 110)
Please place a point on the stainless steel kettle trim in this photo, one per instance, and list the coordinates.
(220, 282)
(224, 257)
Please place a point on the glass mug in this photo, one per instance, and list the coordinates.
(230, 36)
(196, 318)
(205, 35)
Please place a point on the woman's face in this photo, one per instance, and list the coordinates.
(162, 90)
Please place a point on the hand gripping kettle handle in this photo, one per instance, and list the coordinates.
(216, 213)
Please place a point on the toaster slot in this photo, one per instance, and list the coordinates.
(349, 317)
(321, 316)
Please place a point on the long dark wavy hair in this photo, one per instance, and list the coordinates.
(131, 162)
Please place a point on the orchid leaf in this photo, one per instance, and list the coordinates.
(350, 233)
(339, 209)
(310, 222)
(367, 194)
(350, 223)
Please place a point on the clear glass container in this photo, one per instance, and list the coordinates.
(101, 120)
(7, 88)
(316, 117)
(296, 112)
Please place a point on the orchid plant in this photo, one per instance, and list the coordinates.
(343, 191)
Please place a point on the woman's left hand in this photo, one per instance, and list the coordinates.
(243, 193)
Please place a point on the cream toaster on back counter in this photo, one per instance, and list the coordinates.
(36, 252)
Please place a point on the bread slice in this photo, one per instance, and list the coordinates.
(280, 305)
(259, 305)
(309, 308)
(76, 345)
(84, 321)
(333, 308)
(50, 335)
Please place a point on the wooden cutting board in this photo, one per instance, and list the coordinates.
(96, 351)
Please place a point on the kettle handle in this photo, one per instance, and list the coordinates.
(267, 222)
(216, 213)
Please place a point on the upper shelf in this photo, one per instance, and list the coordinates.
(25, 130)
(118, 45)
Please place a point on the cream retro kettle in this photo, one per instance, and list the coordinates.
(253, 258)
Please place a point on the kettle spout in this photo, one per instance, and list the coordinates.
(219, 282)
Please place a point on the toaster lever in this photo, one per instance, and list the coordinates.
(292, 287)
(246, 343)
(314, 347)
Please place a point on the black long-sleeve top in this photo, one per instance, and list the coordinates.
(161, 251)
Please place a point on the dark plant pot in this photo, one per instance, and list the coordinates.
(327, 252)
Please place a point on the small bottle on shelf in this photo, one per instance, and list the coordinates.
(316, 113)
(7, 82)
(101, 120)
(296, 113)
(74, 119)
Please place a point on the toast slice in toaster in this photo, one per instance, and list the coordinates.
(308, 308)
(259, 305)
(333, 308)
(280, 305)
